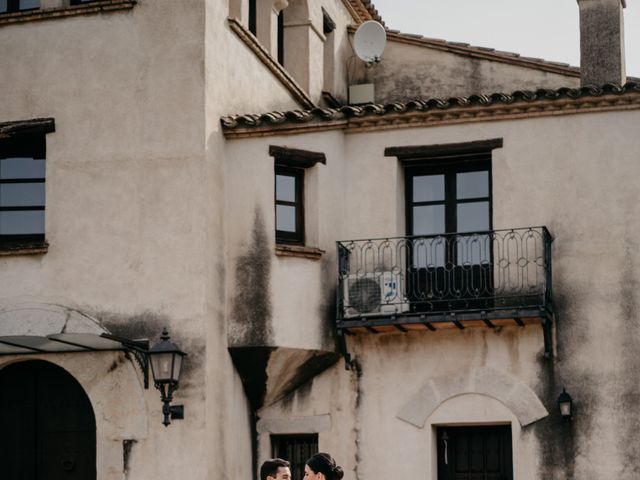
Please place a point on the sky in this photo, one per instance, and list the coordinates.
(547, 29)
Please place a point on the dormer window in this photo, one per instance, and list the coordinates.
(7, 6)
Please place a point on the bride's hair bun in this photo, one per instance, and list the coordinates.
(325, 464)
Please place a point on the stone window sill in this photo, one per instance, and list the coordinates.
(32, 248)
(301, 251)
(99, 6)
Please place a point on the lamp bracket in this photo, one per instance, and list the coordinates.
(547, 335)
(177, 412)
(139, 349)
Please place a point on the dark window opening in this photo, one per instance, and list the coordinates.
(7, 6)
(290, 164)
(22, 190)
(289, 194)
(252, 17)
(328, 25)
(296, 449)
(449, 197)
(281, 37)
(448, 207)
(80, 2)
(478, 453)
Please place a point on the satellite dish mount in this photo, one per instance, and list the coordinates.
(369, 42)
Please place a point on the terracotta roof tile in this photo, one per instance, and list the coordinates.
(232, 122)
(366, 10)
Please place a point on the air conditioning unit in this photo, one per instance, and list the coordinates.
(374, 294)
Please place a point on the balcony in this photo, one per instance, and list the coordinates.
(460, 280)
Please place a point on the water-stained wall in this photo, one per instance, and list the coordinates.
(574, 174)
(135, 211)
(408, 71)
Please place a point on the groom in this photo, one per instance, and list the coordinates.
(275, 469)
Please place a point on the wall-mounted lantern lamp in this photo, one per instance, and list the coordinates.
(166, 363)
(566, 405)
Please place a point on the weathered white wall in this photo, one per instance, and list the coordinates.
(300, 306)
(396, 367)
(304, 43)
(124, 199)
(576, 175)
(114, 387)
(149, 211)
(408, 72)
(325, 406)
(135, 206)
(235, 81)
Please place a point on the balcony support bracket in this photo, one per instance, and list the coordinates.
(546, 331)
(342, 346)
(486, 321)
(456, 322)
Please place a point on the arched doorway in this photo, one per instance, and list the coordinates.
(48, 424)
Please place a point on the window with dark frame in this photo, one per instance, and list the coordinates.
(296, 449)
(449, 201)
(290, 166)
(450, 195)
(289, 202)
(478, 452)
(22, 190)
(8, 6)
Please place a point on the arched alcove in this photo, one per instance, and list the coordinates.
(508, 390)
(48, 424)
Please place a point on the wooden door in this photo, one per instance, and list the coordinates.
(49, 428)
(475, 453)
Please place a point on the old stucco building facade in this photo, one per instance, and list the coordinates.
(171, 199)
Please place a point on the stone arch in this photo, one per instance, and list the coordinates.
(110, 379)
(44, 319)
(508, 390)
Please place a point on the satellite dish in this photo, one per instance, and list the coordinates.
(369, 41)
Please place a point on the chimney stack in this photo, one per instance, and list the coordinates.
(602, 42)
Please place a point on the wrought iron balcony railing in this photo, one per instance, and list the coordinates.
(458, 273)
